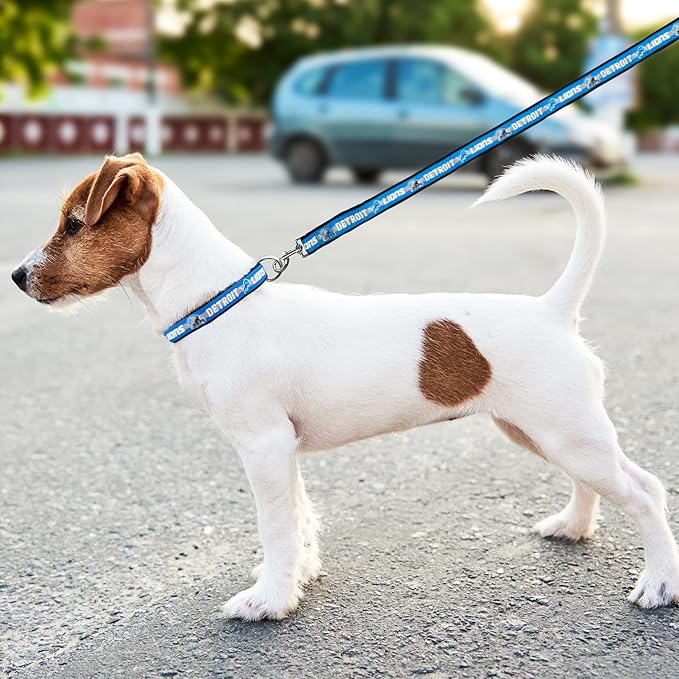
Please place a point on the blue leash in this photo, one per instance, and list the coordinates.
(348, 220)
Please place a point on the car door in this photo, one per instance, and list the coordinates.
(352, 112)
(436, 110)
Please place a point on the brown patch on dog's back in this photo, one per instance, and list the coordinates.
(452, 369)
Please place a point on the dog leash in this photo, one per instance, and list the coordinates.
(348, 220)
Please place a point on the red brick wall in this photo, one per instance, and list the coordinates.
(122, 23)
(123, 26)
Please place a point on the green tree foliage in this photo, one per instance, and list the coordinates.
(550, 47)
(34, 38)
(240, 48)
(658, 83)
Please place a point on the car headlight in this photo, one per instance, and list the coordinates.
(582, 135)
(609, 145)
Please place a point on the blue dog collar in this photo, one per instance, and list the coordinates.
(220, 303)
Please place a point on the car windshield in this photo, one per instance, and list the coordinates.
(498, 79)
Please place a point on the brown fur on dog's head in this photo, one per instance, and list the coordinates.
(104, 232)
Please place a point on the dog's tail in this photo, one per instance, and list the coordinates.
(582, 192)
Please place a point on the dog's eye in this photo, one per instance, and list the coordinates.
(72, 226)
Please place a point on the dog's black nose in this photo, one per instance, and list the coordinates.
(19, 277)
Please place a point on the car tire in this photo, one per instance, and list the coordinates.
(306, 161)
(502, 157)
(365, 175)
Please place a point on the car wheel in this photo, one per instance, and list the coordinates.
(365, 175)
(305, 161)
(502, 157)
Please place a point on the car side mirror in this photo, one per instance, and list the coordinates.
(473, 96)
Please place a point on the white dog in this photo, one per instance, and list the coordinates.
(340, 368)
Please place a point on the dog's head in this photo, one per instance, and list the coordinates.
(104, 234)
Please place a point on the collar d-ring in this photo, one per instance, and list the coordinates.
(279, 264)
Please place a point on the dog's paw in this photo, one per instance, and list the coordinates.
(565, 527)
(262, 603)
(310, 568)
(655, 589)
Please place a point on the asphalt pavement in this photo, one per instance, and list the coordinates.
(125, 521)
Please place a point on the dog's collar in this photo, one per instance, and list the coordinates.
(216, 306)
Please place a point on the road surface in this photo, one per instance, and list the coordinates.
(125, 520)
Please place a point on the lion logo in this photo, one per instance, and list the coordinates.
(501, 134)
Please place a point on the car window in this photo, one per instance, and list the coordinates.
(309, 81)
(453, 88)
(419, 80)
(359, 80)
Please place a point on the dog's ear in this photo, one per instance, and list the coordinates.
(128, 176)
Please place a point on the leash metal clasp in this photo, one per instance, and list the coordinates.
(279, 264)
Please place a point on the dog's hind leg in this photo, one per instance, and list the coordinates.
(589, 453)
(270, 463)
(578, 519)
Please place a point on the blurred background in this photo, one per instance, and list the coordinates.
(230, 76)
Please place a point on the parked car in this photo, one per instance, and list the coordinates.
(403, 107)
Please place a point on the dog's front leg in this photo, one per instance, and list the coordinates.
(271, 468)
